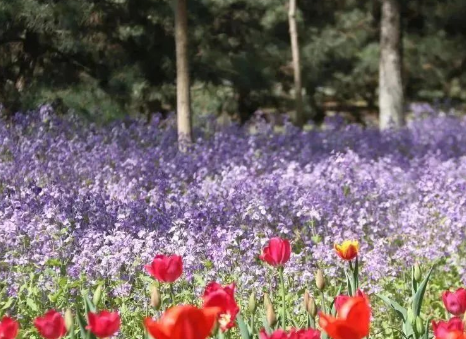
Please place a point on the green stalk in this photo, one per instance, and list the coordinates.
(282, 286)
(252, 324)
(356, 275)
(172, 295)
(324, 309)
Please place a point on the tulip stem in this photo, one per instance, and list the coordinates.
(172, 295)
(252, 323)
(313, 322)
(282, 287)
(324, 309)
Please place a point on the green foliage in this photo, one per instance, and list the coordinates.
(414, 326)
(33, 301)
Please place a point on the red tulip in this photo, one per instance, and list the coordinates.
(443, 329)
(293, 334)
(278, 334)
(277, 253)
(455, 302)
(352, 321)
(456, 335)
(183, 322)
(103, 324)
(224, 298)
(51, 325)
(341, 299)
(305, 334)
(166, 268)
(8, 328)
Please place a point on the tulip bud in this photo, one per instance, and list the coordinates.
(252, 303)
(411, 317)
(267, 301)
(464, 320)
(419, 326)
(271, 317)
(155, 299)
(312, 307)
(97, 295)
(417, 273)
(306, 299)
(320, 280)
(69, 321)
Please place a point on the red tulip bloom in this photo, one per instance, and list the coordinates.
(352, 320)
(51, 325)
(443, 329)
(305, 334)
(293, 334)
(166, 268)
(183, 322)
(215, 295)
(278, 334)
(277, 253)
(341, 299)
(456, 335)
(455, 302)
(103, 324)
(8, 328)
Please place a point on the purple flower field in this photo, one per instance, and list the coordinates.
(102, 201)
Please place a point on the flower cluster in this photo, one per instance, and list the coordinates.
(91, 197)
(219, 312)
(454, 328)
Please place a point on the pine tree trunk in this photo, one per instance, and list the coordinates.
(183, 105)
(390, 81)
(299, 117)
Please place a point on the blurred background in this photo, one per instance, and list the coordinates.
(107, 59)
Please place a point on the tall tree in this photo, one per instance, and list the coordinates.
(299, 118)
(390, 81)
(183, 104)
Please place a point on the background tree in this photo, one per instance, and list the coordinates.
(296, 63)
(390, 81)
(108, 59)
(183, 101)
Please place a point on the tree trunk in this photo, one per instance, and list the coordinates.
(183, 105)
(390, 81)
(299, 117)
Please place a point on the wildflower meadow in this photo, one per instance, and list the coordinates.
(257, 232)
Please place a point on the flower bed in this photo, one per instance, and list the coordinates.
(83, 205)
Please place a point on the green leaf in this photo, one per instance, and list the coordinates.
(8, 304)
(419, 296)
(426, 332)
(349, 283)
(82, 327)
(88, 304)
(408, 330)
(243, 328)
(400, 310)
(32, 305)
(267, 328)
(293, 320)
